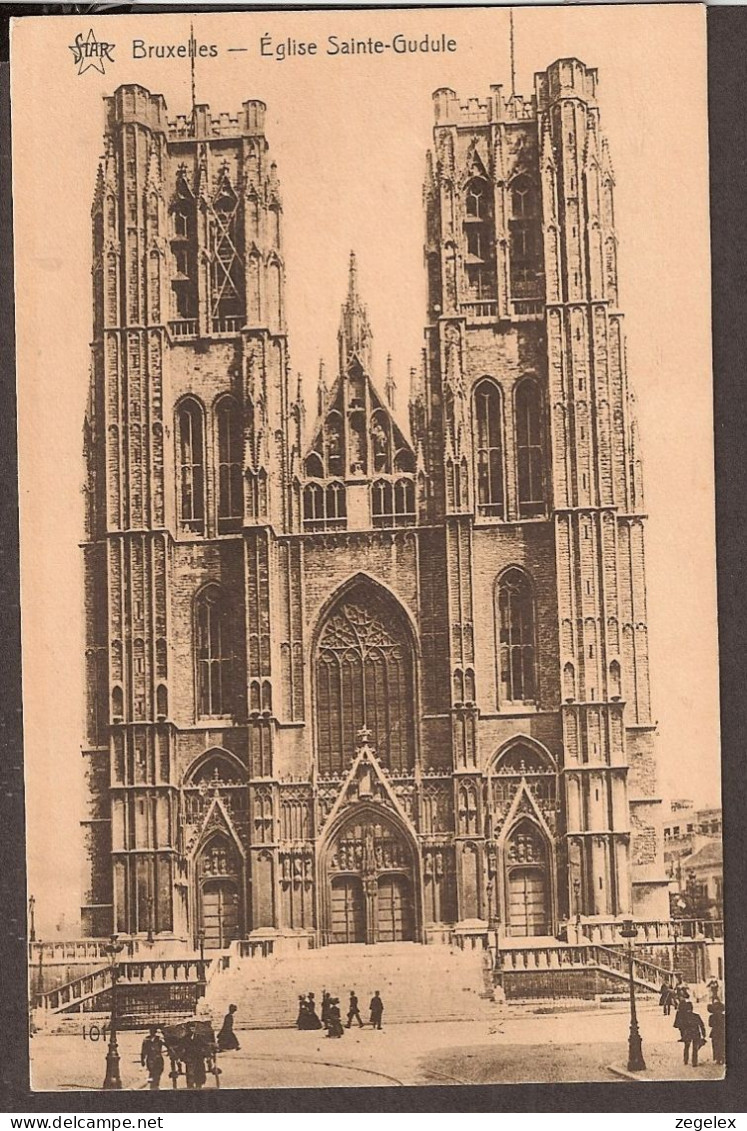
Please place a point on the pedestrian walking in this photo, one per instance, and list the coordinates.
(313, 1021)
(717, 1026)
(227, 1039)
(376, 1009)
(665, 997)
(353, 1011)
(714, 989)
(194, 1052)
(334, 1022)
(326, 998)
(151, 1057)
(693, 1032)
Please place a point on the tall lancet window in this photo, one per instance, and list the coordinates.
(527, 278)
(529, 449)
(191, 459)
(479, 257)
(364, 676)
(213, 658)
(514, 616)
(230, 443)
(227, 268)
(184, 253)
(488, 446)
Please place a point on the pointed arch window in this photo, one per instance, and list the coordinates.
(479, 239)
(529, 449)
(488, 447)
(191, 459)
(393, 502)
(525, 240)
(324, 506)
(213, 653)
(184, 253)
(230, 444)
(514, 616)
(364, 676)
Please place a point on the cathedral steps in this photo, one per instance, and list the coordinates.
(416, 983)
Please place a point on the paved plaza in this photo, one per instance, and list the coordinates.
(518, 1047)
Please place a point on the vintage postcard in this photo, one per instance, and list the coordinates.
(367, 538)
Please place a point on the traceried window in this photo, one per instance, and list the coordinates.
(479, 239)
(527, 279)
(324, 506)
(529, 449)
(213, 653)
(229, 450)
(364, 677)
(393, 502)
(184, 251)
(515, 630)
(191, 459)
(487, 408)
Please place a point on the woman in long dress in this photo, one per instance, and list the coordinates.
(227, 1038)
(334, 1024)
(313, 1017)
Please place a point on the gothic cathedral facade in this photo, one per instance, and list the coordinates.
(359, 682)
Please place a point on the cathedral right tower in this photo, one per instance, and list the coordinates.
(525, 428)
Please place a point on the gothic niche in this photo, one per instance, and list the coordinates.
(532, 766)
(364, 676)
(371, 883)
(217, 773)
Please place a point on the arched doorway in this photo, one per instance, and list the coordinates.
(219, 910)
(369, 882)
(528, 885)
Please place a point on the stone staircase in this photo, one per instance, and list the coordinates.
(416, 983)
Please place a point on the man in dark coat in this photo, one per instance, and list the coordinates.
(194, 1052)
(377, 1009)
(151, 1057)
(227, 1038)
(353, 1010)
(693, 1031)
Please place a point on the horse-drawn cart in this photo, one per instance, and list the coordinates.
(192, 1052)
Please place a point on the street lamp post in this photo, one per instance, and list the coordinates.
(577, 905)
(201, 971)
(636, 1063)
(149, 936)
(32, 925)
(112, 1080)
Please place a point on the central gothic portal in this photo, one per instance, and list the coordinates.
(370, 890)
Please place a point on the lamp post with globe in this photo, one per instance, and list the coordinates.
(636, 1063)
(113, 1080)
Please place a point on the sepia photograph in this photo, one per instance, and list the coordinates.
(368, 571)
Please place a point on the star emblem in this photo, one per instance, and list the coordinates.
(89, 52)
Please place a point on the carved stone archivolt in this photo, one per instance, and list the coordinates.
(367, 849)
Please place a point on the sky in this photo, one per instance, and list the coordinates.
(349, 135)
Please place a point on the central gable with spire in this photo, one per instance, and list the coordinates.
(359, 470)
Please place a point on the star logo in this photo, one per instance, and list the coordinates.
(89, 52)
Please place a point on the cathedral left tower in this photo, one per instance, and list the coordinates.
(191, 440)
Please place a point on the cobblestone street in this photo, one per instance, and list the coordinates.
(517, 1048)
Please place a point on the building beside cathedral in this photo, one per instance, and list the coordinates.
(350, 682)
